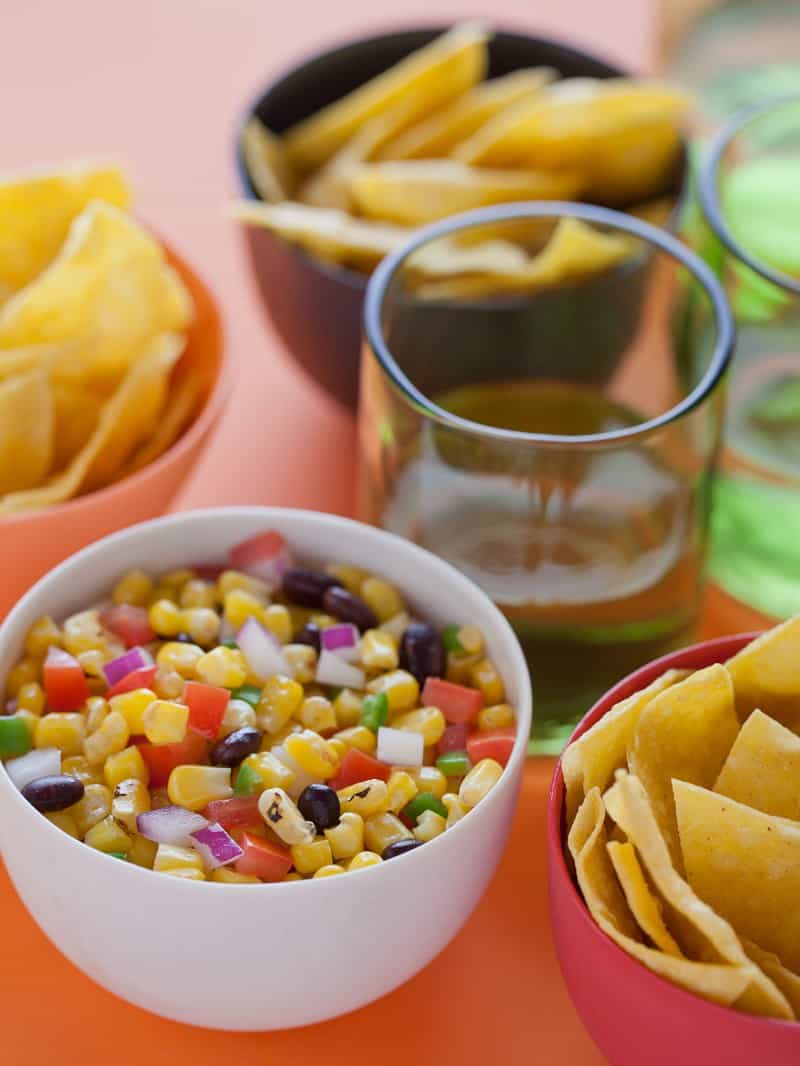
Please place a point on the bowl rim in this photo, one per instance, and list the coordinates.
(211, 410)
(703, 653)
(322, 520)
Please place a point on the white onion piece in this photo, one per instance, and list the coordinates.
(170, 825)
(41, 762)
(400, 747)
(333, 670)
(341, 640)
(397, 625)
(262, 650)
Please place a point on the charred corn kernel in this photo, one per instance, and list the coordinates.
(317, 713)
(168, 684)
(401, 688)
(381, 830)
(459, 666)
(109, 835)
(31, 698)
(130, 799)
(239, 605)
(166, 618)
(269, 769)
(352, 577)
(396, 625)
(483, 776)
(308, 858)
(174, 857)
(126, 765)
(278, 620)
(302, 660)
(383, 598)
(283, 817)
(402, 789)
(31, 722)
(132, 706)
(63, 730)
(348, 706)
(338, 747)
(238, 714)
(182, 658)
(92, 662)
(159, 798)
(65, 822)
(93, 807)
(499, 716)
(142, 852)
(225, 667)
(429, 779)
(365, 797)
(43, 634)
(189, 874)
(202, 624)
(310, 751)
(135, 587)
(455, 808)
(346, 838)
(196, 786)
(329, 871)
(281, 698)
(235, 579)
(78, 766)
(292, 876)
(224, 875)
(23, 673)
(429, 825)
(429, 721)
(197, 593)
(166, 722)
(363, 860)
(274, 740)
(484, 676)
(379, 650)
(176, 579)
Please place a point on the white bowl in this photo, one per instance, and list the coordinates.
(259, 956)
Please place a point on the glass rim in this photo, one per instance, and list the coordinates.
(709, 183)
(387, 269)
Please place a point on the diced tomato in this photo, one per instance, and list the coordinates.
(493, 744)
(141, 678)
(161, 759)
(454, 738)
(263, 859)
(358, 766)
(456, 702)
(241, 810)
(255, 829)
(265, 555)
(207, 705)
(208, 571)
(65, 685)
(129, 623)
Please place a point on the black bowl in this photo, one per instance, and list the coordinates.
(315, 306)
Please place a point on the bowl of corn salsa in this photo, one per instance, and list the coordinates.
(205, 711)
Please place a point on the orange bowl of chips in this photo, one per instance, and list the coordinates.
(674, 857)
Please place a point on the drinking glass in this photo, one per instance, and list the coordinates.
(551, 432)
(749, 189)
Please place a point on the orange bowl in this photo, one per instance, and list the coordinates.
(31, 543)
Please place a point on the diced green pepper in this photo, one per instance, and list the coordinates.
(118, 855)
(249, 693)
(15, 739)
(247, 781)
(333, 692)
(453, 763)
(230, 644)
(423, 801)
(450, 638)
(375, 711)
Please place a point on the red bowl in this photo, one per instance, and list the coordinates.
(635, 1017)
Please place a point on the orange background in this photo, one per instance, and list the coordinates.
(160, 84)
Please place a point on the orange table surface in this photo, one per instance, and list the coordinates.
(159, 84)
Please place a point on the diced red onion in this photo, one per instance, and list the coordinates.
(41, 762)
(333, 670)
(125, 664)
(400, 747)
(216, 846)
(170, 825)
(262, 650)
(342, 640)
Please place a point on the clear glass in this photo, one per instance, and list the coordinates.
(554, 443)
(750, 236)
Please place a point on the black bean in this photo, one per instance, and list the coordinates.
(231, 750)
(310, 634)
(306, 587)
(53, 793)
(349, 608)
(320, 804)
(422, 652)
(400, 847)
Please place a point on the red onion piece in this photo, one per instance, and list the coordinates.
(216, 846)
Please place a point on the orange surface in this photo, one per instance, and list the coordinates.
(160, 84)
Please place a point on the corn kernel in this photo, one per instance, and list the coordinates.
(302, 660)
(283, 817)
(166, 618)
(124, 766)
(311, 752)
(347, 837)
(365, 797)
(132, 707)
(379, 650)
(109, 835)
(93, 807)
(338, 747)
(278, 620)
(182, 658)
(239, 605)
(31, 722)
(428, 779)
(500, 716)
(43, 634)
(270, 741)
(163, 592)
(271, 772)
(197, 593)
(64, 730)
(293, 876)
(202, 624)
(168, 684)
(78, 766)
(383, 598)
(196, 786)
(176, 579)
(92, 663)
(280, 700)
(401, 788)
(459, 667)
(84, 632)
(25, 671)
(165, 722)
(238, 714)
(483, 776)
(184, 874)
(485, 677)
(363, 860)
(401, 688)
(31, 698)
(323, 620)
(65, 821)
(381, 830)
(317, 713)
(352, 577)
(429, 825)
(174, 857)
(348, 706)
(300, 616)
(308, 858)
(396, 625)
(429, 721)
(130, 799)
(235, 579)
(225, 876)
(142, 852)
(455, 808)
(135, 587)
(471, 639)
(224, 667)
(329, 871)
(159, 798)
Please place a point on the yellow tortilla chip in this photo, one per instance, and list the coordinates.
(181, 405)
(766, 674)
(762, 769)
(588, 844)
(787, 982)
(26, 430)
(686, 733)
(745, 864)
(434, 74)
(266, 163)
(37, 208)
(591, 760)
(643, 904)
(77, 414)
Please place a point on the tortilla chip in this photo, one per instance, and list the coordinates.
(766, 674)
(684, 733)
(745, 864)
(26, 430)
(77, 414)
(266, 162)
(763, 768)
(20, 360)
(787, 982)
(643, 904)
(181, 405)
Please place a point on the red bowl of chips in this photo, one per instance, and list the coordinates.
(636, 1017)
